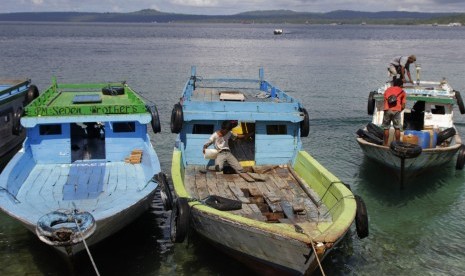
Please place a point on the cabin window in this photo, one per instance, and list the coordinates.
(50, 129)
(202, 129)
(276, 129)
(124, 127)
(438, 109)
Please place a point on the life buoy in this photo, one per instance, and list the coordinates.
(165, 191)
(17, 128)
(177, 118)
(405, 150)
(32, 93)
(445, 134)
(305, 123)
(179, 222)
(376, 130)
(361, 218)
(155, 122)
(113, 90)
(459, 100)
(371, 103)
(460, 158)
(369, 137)
(55, 228)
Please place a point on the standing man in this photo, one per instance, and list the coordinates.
(401, 65)
(394, 102)
(220, 139)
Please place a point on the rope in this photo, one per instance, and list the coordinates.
(84, 242)
(318, 260)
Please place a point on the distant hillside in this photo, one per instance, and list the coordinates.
(270, 16)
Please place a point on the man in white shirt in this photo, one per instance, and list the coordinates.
(220, 139)
(401, 65)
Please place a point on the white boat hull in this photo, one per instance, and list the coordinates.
(428, 158)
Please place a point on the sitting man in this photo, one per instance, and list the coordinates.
(220, 139)
(394, 102)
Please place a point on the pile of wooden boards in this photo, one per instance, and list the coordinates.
(135, 157)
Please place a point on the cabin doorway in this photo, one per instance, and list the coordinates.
(87, 141)
(244, 149)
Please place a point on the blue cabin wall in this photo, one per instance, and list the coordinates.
(269, 149)
(50, 149)
(119, 145)
(276, 149)
(56, 149)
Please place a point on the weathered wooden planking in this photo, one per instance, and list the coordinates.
(212, 184)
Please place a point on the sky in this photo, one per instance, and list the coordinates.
(227, 7)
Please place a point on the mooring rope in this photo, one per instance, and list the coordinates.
(84, 242)
(318, 259)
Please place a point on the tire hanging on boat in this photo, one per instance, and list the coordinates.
(371, 103)
(55, 228)
(445, 134)
(460, 104)
(405, 150)
(376, 130)
(305, 123)
(155, 122)
(369, 137)
(32, 93)
(165, 191)
(460, 158)
(177, 118)
(179, 222)
(17, 128)
(361, 218)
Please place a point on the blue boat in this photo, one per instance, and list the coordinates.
(87, 167)
(284, 212)
(14, 95)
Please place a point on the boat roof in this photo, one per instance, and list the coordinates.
(428, 91)
(239, 99)
(10, 87)
(84, 102)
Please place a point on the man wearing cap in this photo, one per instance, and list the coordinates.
(400, 65)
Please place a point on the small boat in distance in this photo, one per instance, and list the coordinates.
(286, 212)
(278, 31)
(87, 167)
(14, 95)
(429, 138)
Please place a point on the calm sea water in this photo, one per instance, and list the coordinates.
(414, 231)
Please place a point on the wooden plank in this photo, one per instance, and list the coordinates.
(273, 202)
(238, 193)
(211, 184)
(201, 184)
(257, 177)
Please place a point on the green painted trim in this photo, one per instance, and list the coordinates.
(337, 197)
(57, 100)
(380, 97)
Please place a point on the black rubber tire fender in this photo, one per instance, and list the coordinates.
(445, 134)
(165, 191)
(155, 122)
(376, 130)
(405, 150)
(17, 128)
(32, 93)
(305, 123)
(361, 218)
(179, 222)
(459, 100)
(177, 118)
(460, 158)
(113, 90)
(369, 137)
(371, 103)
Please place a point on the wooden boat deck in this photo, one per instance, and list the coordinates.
(260, 199)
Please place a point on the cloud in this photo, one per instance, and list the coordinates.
(196, 3)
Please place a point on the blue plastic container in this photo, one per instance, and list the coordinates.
(423, 137)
